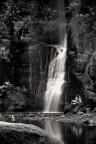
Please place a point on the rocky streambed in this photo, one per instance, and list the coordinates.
(45, 128)
(80, 118)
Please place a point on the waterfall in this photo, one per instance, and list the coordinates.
(56, 79)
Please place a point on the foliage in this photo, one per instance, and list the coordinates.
(18, 16)
(91, 69)
(83, 26)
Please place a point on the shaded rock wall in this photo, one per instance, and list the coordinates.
(31, 69)
(81, 51)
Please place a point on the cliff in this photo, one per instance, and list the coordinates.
(81, 61)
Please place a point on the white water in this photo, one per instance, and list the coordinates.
(56, 76)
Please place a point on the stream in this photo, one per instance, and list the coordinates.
(68, 133)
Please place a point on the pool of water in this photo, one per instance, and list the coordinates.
(69, 133)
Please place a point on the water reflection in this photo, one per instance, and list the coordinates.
(77, 130)
(53, 128)
(71, 133)
(66, 132)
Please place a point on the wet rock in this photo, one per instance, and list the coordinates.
(90, 122)
(74, 108)
(67, 109)
(22, 133)
(77, 100)
(80, 113)
(79, 108)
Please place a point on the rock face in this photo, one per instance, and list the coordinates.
(22, 133)
(31, 69)
(13, 98)
(75, 109)
(81, 60)
(31, 61)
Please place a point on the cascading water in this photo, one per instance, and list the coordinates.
(56, 79)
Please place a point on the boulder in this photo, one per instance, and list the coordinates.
(12, 98)
(79, 108)
(75, 108)
(67, 109)
(16, 133)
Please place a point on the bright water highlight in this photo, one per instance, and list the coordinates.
(56, 79)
